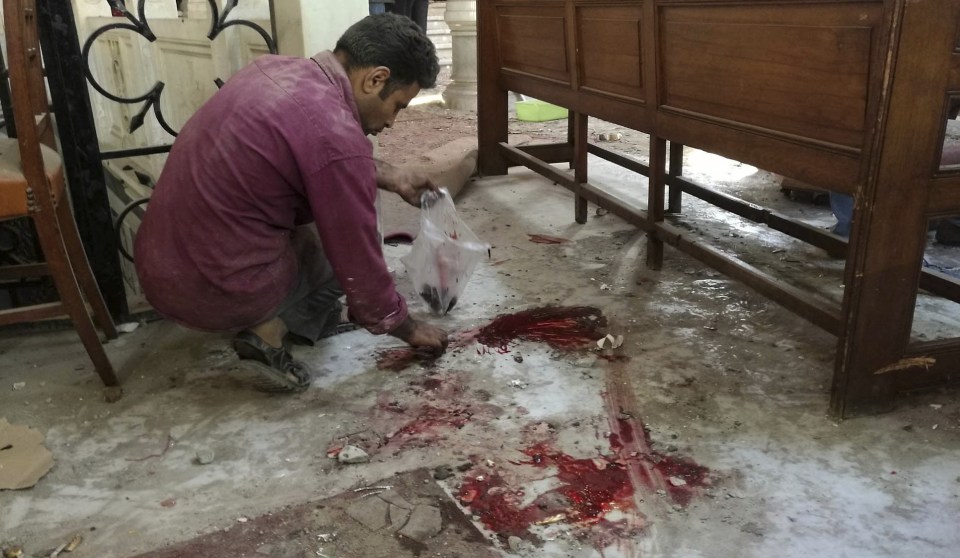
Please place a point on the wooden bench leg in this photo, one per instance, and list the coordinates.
(675, 197)
(655, 195)
(580, 139)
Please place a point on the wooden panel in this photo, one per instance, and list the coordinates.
(608, 44)
(944, 196)
(955, 72)
(788, 155)
(801, 70)
(532, 41)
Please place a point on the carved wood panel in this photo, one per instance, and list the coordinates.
(795, 70)
(609, 50)
(533, 42)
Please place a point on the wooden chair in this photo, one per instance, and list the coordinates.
(32, 185)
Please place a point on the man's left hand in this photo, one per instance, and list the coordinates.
(406, 183)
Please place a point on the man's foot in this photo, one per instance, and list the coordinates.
(276, 370)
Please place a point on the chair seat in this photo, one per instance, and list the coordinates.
(13, 185)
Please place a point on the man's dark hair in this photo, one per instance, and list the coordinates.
(393, 41)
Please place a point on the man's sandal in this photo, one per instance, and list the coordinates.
(276, 370)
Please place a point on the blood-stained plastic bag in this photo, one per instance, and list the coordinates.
(444, 254)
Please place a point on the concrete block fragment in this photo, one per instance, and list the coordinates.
(398, 517)
(394, 498)
(350, 455)
(372, 513)
(425, 522)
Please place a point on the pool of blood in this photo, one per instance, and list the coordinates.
(591, 487)
(560, 327)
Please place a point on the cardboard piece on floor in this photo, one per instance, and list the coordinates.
(23, 457)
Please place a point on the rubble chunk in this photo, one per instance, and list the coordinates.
(205, 456)
(398, 517)
(443, 472)
(425, 522)
(372, 513)
(351, 455)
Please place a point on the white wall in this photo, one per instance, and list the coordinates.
(307, 27)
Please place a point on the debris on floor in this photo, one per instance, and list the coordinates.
(413, 517)
(68, 546)
(547, 239)
(128, 327)
(24, 460)
(351, 455)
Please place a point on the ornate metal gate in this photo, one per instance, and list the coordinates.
(68, 66)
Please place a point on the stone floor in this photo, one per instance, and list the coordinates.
(705, 434)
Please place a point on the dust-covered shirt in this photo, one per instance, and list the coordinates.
(278, 146)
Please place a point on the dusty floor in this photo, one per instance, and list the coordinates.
(705, 435)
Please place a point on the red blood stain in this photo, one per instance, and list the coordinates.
(684, 469)
(613, 358)
(392, 407)
(398, 359)
(430, 418)
(666, 466)
(431, 384)
(591, 487)
(440, 388)
(625, 427)
(546, 239)
(334, 450)
(558, 326)
(497, 506)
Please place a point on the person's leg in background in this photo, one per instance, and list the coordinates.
(418, 12)
(842, 207)
(400, 7)
(948, 230)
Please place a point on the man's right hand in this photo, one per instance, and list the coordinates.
(422, 335)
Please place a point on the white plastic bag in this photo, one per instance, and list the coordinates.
(444, 254)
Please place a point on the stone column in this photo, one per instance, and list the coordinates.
(461, 17)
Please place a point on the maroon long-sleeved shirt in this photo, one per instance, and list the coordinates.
(278, 146)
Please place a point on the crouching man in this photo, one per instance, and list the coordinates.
(264, 214)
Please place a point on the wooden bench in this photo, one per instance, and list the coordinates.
(850, 96)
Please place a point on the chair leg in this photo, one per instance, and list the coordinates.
(58, 263)
(82, 271)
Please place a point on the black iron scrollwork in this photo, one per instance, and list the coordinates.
(151, 99)
(141, 26)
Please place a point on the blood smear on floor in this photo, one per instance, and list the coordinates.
(398, 359)
(591, 488)
(431, 418)
(560, 327)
